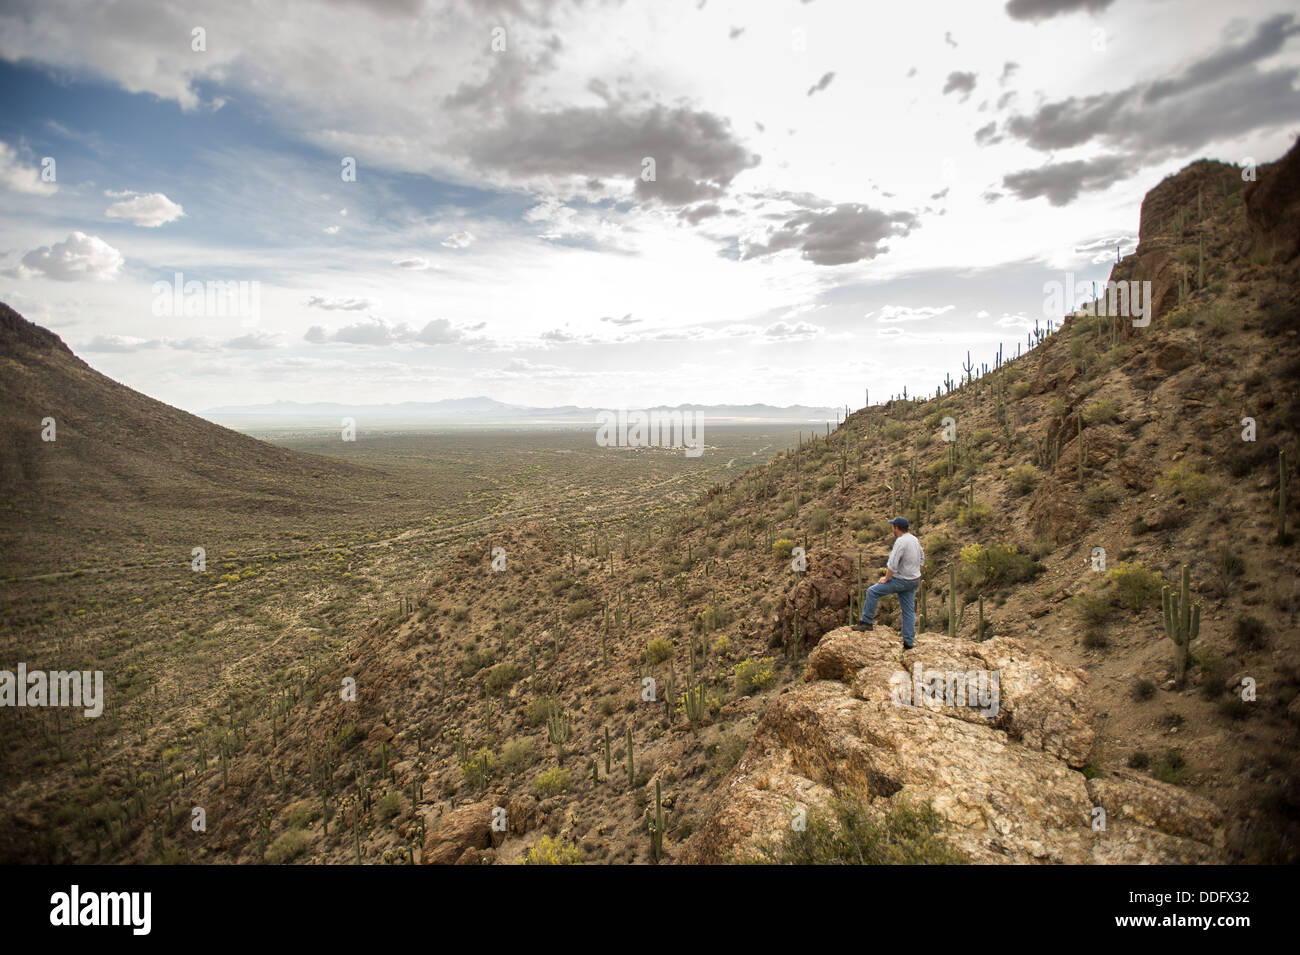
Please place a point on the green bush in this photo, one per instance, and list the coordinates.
(1101, 412)
(782, 547)
(1135, 587)
(658, 650)
(819, 520)
(1171, 768)
(388, 806)
(539, 710)
(754, 675)
(848, 833)
(1185, 478)
(974, 515)
(475, 660)
(501, 677)
(551, 782)
(1023, 478)
(579, 609)
(997, 565)
(517, 754)
(287, 846)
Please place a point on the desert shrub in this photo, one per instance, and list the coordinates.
(517, 754)
(1102, 496)
(460, 613)
(895, 431)
(1250, 633)
(938, 544)
(819, 520)
(997, 565)
(1018, 390)
(783, 546)
(1103, 411)
(721, 646)
(1023, 478)
(848, 833)
(713, 618)
(388, 806)
(827, 482)
(477, 767)
(539, 710)
(1139, 760)
(551, 782)
(287, 846)
(658, 650)
(1143, 689)
(348, 735)
(1135, 587)
(579, 609)
(475, 660)
(1186, 480)
(974, 515)
(754, 675)
(501, 677)
(1170, 768)
(1093, 609)
(551, 851)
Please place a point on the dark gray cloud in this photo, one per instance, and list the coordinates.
(1062, 182)
(1268, 39)
(696, 153)
(985, 135)
(821, 84)
(947, 38)
(844, 233)
(697, 214)
(507, 79)
(1008, 70)
(1035, 10)
(960, 82)
(1218, 97)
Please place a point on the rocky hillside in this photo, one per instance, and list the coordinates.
(672, 688)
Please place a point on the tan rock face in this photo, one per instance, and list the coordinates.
(885, 725)
(457, 832)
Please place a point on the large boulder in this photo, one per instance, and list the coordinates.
(820, 600)
(888, 725)
(466, 828)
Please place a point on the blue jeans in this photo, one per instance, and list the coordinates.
(906, 590)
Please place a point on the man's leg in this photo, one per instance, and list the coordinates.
(869, 601)
(873, 595)
(907, 604)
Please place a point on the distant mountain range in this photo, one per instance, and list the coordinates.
(488, 409)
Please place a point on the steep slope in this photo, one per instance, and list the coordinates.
(510, 696)
(119, 457)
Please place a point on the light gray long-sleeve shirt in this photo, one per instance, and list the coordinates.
(906, 557)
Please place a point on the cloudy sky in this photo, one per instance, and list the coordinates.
(602, 203)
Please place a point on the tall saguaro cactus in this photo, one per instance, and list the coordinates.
(1182, 623)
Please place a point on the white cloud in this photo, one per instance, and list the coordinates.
(458, 240)
(150, 210)
(79, 256)
(415, 263)
(20, 178)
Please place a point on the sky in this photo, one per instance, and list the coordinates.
(608, 204)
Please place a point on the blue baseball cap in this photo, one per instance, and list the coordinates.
(900, 521)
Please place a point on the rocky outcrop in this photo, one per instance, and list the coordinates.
(820, 600)
(462, 836)
(1273, 208)
(885, 725)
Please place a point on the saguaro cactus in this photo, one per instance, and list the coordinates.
(1281, 497)
(1182, 623)
(952, 602)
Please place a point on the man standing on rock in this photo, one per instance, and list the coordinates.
(902, 577)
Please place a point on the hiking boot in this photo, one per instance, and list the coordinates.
(860, 627)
